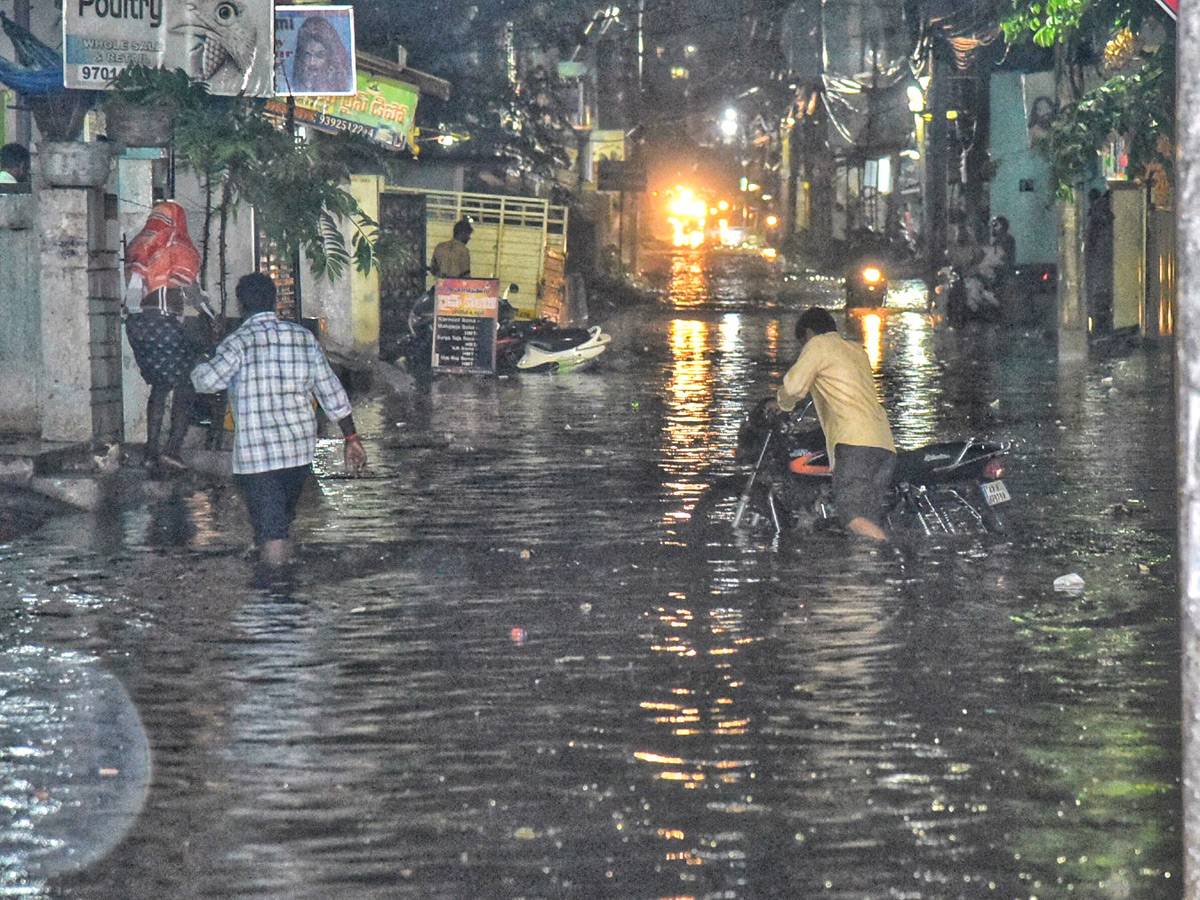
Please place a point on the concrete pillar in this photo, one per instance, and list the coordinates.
(66, 331)
(135, 197)
(1188, 380)
(1072, 305)
(80, 323)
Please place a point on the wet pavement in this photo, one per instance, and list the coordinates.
(503, 672)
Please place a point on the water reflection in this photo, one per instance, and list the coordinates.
(688, 285)
(672, 721)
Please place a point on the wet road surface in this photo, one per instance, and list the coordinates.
(502, 672)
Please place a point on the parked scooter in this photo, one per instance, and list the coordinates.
(948, 487)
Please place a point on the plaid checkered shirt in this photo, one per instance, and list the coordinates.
(272, 369)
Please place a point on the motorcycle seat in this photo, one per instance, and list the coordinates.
(561, 339)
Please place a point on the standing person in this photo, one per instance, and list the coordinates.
(273, 369)
(14, 164)
(452, 259)
(161, 265)
(857, 435)
(1004, 247)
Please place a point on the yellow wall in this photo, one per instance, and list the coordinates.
(364, 289)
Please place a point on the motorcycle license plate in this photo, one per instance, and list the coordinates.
(995, 492)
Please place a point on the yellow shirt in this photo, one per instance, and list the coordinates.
(838, 375)
(451, 259)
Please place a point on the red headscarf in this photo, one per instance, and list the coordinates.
(162, 253)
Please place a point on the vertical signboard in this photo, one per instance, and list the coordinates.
(226, 44)
(466, 316)
(314, 51)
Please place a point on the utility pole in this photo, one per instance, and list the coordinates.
(1188, 426)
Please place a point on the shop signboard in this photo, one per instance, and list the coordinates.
(226, 46)
(382, 110)
(465, 321)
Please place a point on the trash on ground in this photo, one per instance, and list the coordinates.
(1071, 583)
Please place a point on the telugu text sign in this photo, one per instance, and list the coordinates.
(382, 111)
(226, 44)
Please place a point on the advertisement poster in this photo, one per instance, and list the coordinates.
(226, 44)
(314, 51)
(466, 316)
(383, 110)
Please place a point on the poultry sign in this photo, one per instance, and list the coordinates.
(226, 44)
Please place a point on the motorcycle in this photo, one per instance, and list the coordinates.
(948, 487)
(522, 345)
(866, 286)
(961, 298)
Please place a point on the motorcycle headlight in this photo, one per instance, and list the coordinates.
(871, 276)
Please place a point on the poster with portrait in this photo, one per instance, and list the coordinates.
(224, 44)
(314, 51)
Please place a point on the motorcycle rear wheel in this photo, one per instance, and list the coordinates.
(943, 510)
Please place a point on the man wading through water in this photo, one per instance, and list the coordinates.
(273, 369)
(857, 435)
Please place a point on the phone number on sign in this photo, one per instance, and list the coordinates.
(99, 73)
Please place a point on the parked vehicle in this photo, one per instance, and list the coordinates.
(866, 286)
(522, 345)
(539, 345)
(947, 487)
(960, 298)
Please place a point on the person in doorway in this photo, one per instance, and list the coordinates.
(452, 259)
(161, 265)
(321, 63)
(858, 437)
(14, 164)
(272, 369)
(1000, 259)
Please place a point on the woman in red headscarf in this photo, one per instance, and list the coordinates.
(162, 264)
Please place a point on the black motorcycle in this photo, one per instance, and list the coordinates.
(948, 487)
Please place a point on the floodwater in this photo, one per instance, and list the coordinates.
(503, 673)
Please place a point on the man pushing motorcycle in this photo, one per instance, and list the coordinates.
(858, 437)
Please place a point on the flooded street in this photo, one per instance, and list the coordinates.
(503, 672)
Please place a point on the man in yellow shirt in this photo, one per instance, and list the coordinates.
(452, 259)
(857, 435)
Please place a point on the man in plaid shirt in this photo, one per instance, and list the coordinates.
(273, 369)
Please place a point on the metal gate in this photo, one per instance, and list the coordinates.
(402, 221)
